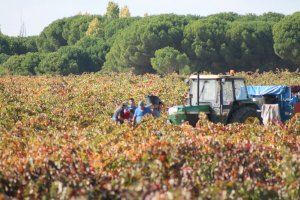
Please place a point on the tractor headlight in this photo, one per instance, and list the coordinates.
(173, 110)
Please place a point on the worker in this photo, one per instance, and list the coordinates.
(156, 109)
(127, 115)
(131, 107)
(119, 114)
(140, 112)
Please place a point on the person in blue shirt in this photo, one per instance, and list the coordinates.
(140, 112)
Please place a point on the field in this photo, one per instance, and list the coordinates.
(57, 141)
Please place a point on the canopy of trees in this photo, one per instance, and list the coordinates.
(136, 45)
(249, 44)
(96, 49)
(203, 42)
(63, 32)
(124, 12)
(23, 64)
(169, 60)
(155, 44)
(66, 60)
(287, 38)
(112, 11)
(17, 45)
(3, 58)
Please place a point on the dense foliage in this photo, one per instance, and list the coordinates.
(23, 64)
(136, 45)
(17, 45)
(57, 141)
(117, 42)
(287, 38)
(66, 60)
(203, 42)
(168, 60)
(113, 10)
(249, 44)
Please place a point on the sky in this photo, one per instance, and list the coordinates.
(37, 14)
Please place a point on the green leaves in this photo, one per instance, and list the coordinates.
(22, 64)
(51, 37)
(168, 60)
(136, 45)
(249, 44)
(17, 45)
(112, 10)
(287, 37)
(203, 40)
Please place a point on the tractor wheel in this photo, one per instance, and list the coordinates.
(192, 119)
(245, 115)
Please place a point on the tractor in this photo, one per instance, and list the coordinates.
(223, 98)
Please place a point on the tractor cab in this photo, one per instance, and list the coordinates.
(221, 97)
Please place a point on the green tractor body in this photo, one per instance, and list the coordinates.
(222, 98)
(179, 114)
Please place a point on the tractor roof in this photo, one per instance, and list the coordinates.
(212, 76)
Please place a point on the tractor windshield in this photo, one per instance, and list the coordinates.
(207, 91)
(240, 89)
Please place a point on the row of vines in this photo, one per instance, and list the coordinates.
(57, 141)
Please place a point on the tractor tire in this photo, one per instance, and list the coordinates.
(243, 114)
(193, 119)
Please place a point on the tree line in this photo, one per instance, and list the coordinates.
(155, 44)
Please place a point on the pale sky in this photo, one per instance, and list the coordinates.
(37, 14)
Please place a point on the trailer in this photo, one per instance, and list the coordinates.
(276, 94)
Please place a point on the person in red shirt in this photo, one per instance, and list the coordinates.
(126, 114)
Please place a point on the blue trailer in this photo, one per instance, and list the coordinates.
(281, 94)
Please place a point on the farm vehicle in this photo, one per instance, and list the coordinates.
(226, 99)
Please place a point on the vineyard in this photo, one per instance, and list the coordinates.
(57, 140)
